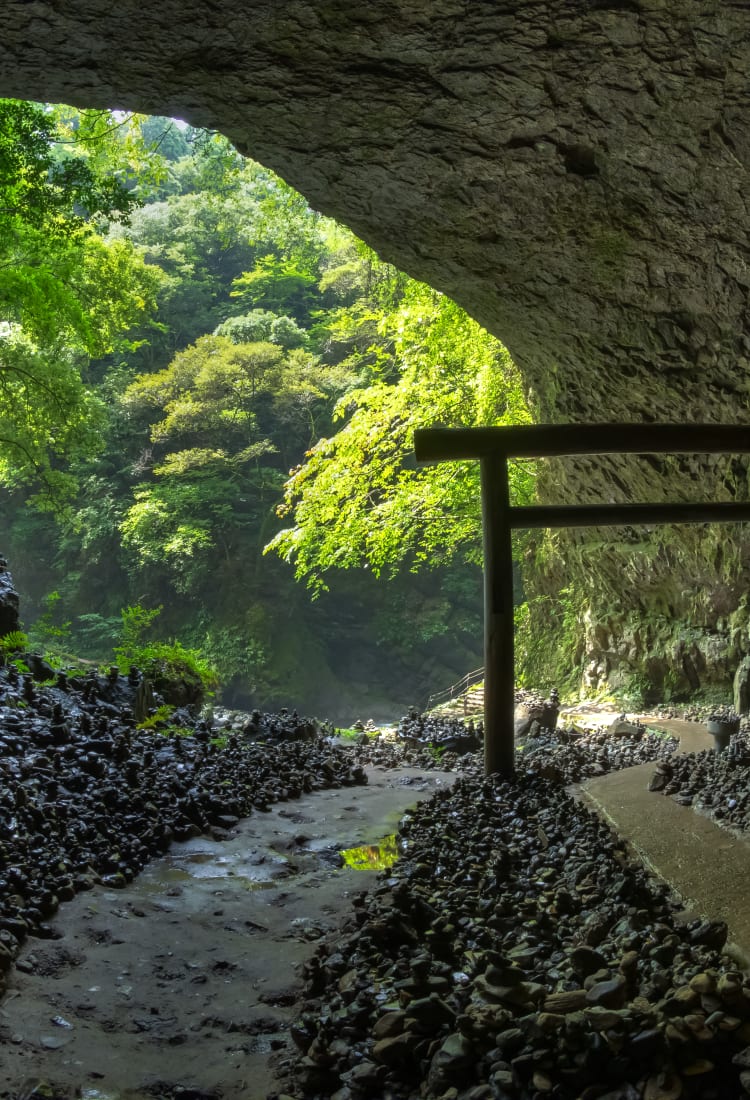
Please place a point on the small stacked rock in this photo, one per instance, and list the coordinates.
(718, 784)
(516, 952)
(261, 726)
(447, 734)
(87, 797)
(533, 713)
(572, 755)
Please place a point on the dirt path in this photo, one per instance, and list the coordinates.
(185, 983)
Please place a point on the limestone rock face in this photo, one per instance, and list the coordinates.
(574, 173)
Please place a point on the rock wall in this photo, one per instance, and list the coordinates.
(574, 172)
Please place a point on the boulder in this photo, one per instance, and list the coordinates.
(8, 601)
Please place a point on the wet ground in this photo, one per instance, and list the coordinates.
(185, 982)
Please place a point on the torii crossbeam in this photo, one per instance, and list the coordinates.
(493, 447)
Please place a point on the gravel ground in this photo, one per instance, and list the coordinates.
(514, 950)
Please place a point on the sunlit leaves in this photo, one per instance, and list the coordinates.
(279, 285)
(211, 386)
(47, 185)
(358, 500)
(113, 147)
(65, 293)
(45, 413)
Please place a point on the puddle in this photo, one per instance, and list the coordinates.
(249, 870)
(372, 857)
(154, 880)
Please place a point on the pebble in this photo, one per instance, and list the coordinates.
(602, 997)
(95, 805)
(513, 951)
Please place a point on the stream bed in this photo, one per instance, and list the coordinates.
(184, 983)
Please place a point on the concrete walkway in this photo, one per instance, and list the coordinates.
(706, 865)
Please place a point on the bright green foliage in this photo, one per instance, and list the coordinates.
(79, 293)
(203, 493)
(358, 499)
(161, 662)
(208, 388)
(15, 641)
(116, 152)
(263, 325)
(136, 626)
(58, 279)
(65, 293)
(248, 328)
(278, 285)
(200, 248)
(175, 528)
(217, 473)
(228, 215)
(43, 188)
(46, 412)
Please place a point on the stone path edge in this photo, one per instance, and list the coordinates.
(707, 866)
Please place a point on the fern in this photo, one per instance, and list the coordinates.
(14, 642)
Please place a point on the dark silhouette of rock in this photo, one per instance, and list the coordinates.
(8, 601)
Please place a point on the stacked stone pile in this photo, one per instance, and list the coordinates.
(87, 797)
(717, 783)
(533, 713)
(513, 953)
(261, 726)
(572, 755)
(564, 755)
(445, 734)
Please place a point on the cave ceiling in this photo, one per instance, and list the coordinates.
(574, 173)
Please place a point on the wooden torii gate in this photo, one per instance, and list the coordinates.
(493, 447)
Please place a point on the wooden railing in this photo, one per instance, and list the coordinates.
(455, 691)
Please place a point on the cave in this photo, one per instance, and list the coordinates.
(574, 174)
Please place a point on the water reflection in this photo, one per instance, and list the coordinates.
(372, 857)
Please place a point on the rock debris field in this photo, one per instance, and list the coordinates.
(514, 949)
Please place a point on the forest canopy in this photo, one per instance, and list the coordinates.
(209, 369)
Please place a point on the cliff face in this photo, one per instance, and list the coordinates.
(574, 173)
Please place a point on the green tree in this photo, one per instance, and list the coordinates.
(358, 501)
(65, 293)
(41, 187)
(211, 471)
(279, 285)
